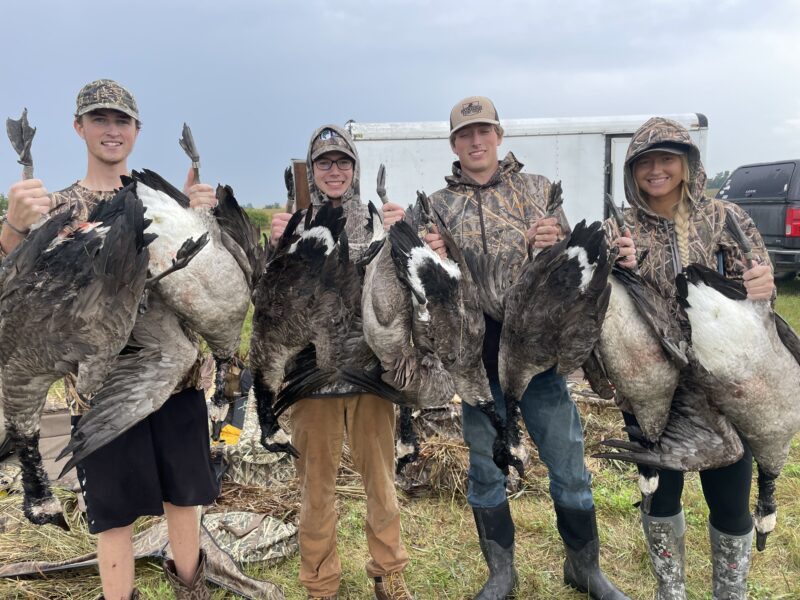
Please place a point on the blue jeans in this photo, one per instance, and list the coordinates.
(553, 423)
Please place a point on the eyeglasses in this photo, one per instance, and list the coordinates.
(325, 164)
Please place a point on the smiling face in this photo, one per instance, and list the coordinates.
(476, 148)
(659, 176)
(109, 135)
(334, 182)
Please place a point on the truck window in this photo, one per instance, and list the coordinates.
(761, 181)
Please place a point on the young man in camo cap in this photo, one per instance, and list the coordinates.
(162, 465)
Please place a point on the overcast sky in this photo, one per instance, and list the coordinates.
(254, 79)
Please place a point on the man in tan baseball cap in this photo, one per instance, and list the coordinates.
(492, 207)
(475, 109)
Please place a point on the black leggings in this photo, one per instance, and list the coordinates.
(726, 490)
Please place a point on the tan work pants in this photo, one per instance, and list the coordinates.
(318, 428)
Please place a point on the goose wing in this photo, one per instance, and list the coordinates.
(157, 357)
(696, 437)
(240, 237)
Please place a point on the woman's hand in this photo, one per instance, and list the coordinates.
(627, 250)
(759, 282)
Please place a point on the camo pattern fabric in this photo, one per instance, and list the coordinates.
(221, 566)
(655, 234)
(105, 94)
(248, 462)
(251, 537)
(507, 204)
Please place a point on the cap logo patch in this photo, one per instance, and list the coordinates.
(471, 108)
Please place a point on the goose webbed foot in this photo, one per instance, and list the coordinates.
(278, 441)
(183, 257)
(46, 511)
(218, 410)
(407, 448)
(766, 512)
(507, 450)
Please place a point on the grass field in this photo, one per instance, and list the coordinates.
(445, 558)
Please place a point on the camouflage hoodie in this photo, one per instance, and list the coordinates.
(708, 239)
(492, 218)
(355, 212)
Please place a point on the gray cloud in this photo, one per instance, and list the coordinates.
(254, 79)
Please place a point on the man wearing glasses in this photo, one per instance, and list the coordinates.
(320, 421)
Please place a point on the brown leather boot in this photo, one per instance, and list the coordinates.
(197, 589)
(392, 587)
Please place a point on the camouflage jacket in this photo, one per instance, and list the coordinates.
(493, 218)
(83, 200)
(709, 242)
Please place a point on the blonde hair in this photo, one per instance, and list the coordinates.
(682, 215)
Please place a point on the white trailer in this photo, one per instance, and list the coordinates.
(585, 153)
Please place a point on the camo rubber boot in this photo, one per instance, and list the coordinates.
(730, 560)
(667, 549)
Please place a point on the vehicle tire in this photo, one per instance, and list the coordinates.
(785, 275)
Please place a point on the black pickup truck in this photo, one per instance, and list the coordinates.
(770, 193)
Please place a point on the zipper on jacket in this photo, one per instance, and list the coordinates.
(480, 218)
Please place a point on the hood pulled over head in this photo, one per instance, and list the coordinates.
(665, 135)
(332, 138)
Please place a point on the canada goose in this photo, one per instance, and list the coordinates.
(751, 356)
(395, 323)
(211, 297)
(552, 311)
(448, 322)
(283, 319)
(676, 427)
(213, 294)
(63, 281)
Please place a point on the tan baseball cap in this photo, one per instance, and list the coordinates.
(475, 109)
(108, 94)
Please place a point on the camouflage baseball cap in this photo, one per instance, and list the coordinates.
(475, 109)
(106, 93)
(330, 140)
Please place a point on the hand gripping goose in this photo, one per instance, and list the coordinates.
(751, 355)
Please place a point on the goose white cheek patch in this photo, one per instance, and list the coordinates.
(587, 268)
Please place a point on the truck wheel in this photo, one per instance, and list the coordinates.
(785, 275)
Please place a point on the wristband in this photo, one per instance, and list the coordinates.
(19, 232)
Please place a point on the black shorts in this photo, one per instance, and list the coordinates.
(165, 458)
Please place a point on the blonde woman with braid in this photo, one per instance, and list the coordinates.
(671, 219)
